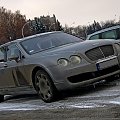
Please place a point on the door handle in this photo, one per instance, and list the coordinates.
(5, 65)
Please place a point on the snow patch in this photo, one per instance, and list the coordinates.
(57, 105)
(86, 105)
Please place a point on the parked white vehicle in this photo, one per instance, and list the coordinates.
(108, 33)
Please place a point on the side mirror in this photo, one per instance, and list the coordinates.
(15, 56)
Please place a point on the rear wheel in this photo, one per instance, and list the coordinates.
(44, 86)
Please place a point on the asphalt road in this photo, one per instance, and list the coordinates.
(101, 102)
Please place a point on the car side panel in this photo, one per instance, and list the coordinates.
(17, 73)
(5, 76)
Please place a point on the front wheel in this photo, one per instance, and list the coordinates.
(44, 86)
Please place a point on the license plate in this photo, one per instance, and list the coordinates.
(106, 63)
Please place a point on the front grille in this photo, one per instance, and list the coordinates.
(100, 52)
(91, 75)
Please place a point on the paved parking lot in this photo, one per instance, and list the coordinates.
(90, 103)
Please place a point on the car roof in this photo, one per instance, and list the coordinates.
(103, 30)
(32, 36)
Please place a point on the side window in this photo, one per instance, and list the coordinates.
(118, 31)
(2, 54)
(94, 37)
(12, 52)
(109, 35)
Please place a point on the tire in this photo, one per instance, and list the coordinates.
(1, 98)
(44, 86)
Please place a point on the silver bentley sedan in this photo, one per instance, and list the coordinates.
(55, 61)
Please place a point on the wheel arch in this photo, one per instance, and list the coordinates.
(39, 68)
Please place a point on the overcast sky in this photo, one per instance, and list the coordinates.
(71, 12)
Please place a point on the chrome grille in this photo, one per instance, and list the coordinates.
(100, 52)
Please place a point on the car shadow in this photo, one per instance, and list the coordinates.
(63, 95)
(86, 90)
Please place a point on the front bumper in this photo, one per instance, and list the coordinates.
(84, 74)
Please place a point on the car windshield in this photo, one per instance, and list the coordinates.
(48, 41)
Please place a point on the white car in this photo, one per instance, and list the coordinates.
(108, 33)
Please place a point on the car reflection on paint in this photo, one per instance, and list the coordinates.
(55, 61)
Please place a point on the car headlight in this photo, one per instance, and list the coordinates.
(75, 59)
(62, 62)
(117, 47)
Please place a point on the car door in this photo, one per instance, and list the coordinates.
(5, 80)
(15, 65)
